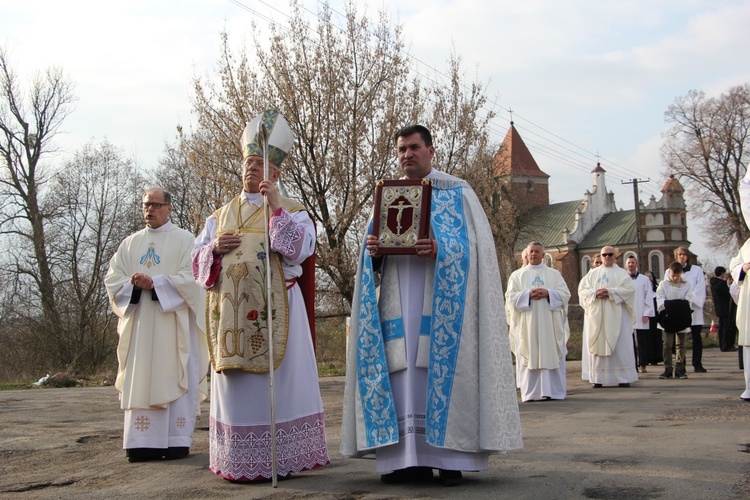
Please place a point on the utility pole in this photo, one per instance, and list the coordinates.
(635, 182)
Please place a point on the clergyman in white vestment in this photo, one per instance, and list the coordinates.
(162, 352)
(429, 379)
(230, 262)
(596, 261)
(539, 298)
(512, 323)
(607, 294)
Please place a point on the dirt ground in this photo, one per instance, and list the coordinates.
(687, 439)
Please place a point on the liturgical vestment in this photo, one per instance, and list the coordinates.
(541, 331)
(609, 324)
(162, 353)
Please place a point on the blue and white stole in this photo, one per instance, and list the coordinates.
(449, 228)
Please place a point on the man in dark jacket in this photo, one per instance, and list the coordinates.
(722, 300)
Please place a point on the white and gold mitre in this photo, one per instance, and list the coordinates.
(280, 137)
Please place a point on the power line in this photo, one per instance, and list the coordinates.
(552, 146)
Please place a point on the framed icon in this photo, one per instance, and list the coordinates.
(402, 214)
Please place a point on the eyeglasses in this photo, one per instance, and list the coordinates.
(152, 204)
(607, 254)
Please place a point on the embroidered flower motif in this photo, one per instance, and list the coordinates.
(252, 315)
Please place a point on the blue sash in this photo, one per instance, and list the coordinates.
(448, 224)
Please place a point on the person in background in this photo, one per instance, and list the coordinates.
(512, 323)
(539, 297)
(694, 275)
(653, 340)
(643, 310)
(595, 262)
(674, 299)
(607, 295)
(719, 284)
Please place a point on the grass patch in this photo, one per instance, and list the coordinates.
(14, 386)
(330, 346)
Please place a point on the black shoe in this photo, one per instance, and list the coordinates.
(597, 386)
(176, 452)
(733, 349)
(451, 477)
(678, 374)
(144, 454)
(624, 384)
(699, 369)
(407, 475)
(666, 374)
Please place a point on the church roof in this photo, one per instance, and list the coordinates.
(514, 158)
(546, 224)
(673, 185)
(615, 229)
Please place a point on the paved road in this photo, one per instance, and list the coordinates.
(686, 439)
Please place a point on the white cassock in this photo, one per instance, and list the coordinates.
(513, 327)
(745, 195)
(240, 401)
(609, 324)
(643, 303)
(584, 342)
(162, 353)
(741, 294)
(541, 332)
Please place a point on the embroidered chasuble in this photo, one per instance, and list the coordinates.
(470, 395)
(236, 307)
(541, 325)
(154, 346)
(604, 316)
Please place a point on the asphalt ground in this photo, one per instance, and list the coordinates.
(686, 439)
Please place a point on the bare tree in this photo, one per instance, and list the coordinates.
(705, 146)
(172, 175)
(97, 201)
(28, 123)
(345, 92)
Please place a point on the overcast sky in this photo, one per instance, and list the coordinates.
(583, 78)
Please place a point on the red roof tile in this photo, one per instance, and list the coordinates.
(514, 158)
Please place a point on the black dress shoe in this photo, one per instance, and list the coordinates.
(407, 475)
(597, 386)
(451, 477)
(699, 369)
(176, 452)
(624, 384)
(144, 454)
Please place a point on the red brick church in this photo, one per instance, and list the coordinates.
(573, 232)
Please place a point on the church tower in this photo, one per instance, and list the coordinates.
(514, 163)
